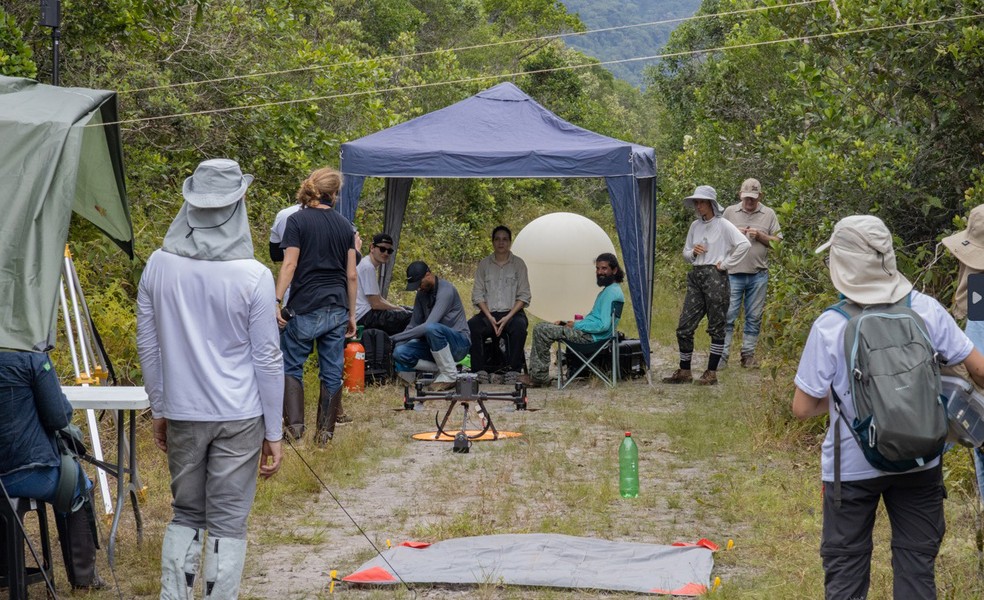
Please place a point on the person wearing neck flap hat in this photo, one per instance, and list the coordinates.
(967, 247)
(210, 353)
(713, 246)
(863, 269)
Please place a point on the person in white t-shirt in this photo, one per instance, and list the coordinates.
(713, 246)
(372, 311)
(863, 268)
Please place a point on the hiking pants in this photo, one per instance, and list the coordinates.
(213, 468)
(914, 503)
(708, 293)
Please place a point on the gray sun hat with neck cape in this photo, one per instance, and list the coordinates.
(212, 223)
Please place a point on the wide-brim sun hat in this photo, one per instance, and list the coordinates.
(968, 245)
(704, 192)
(862, 261)
(217, 182)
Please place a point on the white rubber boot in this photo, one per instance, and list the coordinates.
(447, 369)
(426, 365)
(224, 560)
(181, 552)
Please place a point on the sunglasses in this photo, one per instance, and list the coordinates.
(385, 249)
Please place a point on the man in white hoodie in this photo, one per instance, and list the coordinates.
(210, 353)
(713, 246)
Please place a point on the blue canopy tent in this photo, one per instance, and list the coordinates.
(502, 132)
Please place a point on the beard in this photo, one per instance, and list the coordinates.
(605, 280)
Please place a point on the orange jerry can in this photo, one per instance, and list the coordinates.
(355, 366)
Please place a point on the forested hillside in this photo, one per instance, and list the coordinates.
(630, 42)
(176, 62)
(857, 106)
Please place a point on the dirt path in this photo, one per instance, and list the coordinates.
(427, 486)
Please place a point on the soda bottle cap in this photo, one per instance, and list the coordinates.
(628, 434)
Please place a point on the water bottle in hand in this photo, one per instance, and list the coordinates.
(628, 467)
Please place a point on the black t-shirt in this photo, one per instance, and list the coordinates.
(323, 238)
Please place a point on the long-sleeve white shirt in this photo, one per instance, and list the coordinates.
(208, 341)
(722, 240)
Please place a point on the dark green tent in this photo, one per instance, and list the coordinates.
(56, 157)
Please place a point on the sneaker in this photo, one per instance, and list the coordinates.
(497, 378)
(722, 364)
(708, 378)
(510, 377)
(440, 386)
(749, 361)
(679, 376)
(482, 377)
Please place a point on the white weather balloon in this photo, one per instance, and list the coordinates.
(559, 250)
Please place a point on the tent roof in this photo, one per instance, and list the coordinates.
(500, 132)
(56, 158)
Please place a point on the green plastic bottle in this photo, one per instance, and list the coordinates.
(628, 467)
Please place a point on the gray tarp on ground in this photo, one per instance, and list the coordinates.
(550, 560)
(51, 164)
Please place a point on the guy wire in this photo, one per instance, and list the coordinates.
(474, 47)
(501, 76)
(412, 591)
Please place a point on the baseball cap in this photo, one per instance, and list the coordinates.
(415, 273)
(382, 238)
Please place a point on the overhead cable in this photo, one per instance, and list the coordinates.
(466, 48)
(478, 78)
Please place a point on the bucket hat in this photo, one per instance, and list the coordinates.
(704, 192)
(968, 245)
(862, 261)
(216, 183)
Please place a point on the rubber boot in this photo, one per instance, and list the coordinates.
(447, 369)
(78, 539)
(293, 407)
(328, 405)
(224, 560)
(181, 552)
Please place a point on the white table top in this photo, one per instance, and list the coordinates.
(106, 397)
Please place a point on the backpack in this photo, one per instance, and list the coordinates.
(379, 356)
(894, 375)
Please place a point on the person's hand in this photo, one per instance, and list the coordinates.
(160, 433)
(358, 242)
(752, 234)
(270, 457)
(699, 249)
(718, 266)
(502, 325)
(280, 321)
(492, 321)
(351, 329)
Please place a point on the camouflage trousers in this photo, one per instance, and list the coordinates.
(708, 293)
(544, 335)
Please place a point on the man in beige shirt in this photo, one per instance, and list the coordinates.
(750, 278)
(501, 292)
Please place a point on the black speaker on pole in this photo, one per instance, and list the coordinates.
(51, 13)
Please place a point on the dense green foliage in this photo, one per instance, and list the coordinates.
(887, 121)
(630, 42)
(364, 66)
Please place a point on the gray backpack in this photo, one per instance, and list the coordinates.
(894, 375)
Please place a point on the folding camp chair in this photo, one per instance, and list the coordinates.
(587, 353)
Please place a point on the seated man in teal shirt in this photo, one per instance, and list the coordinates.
(596, 326)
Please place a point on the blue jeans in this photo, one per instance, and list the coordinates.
(436, 337)
(326, 326)
(748, 289)
(41, 483)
